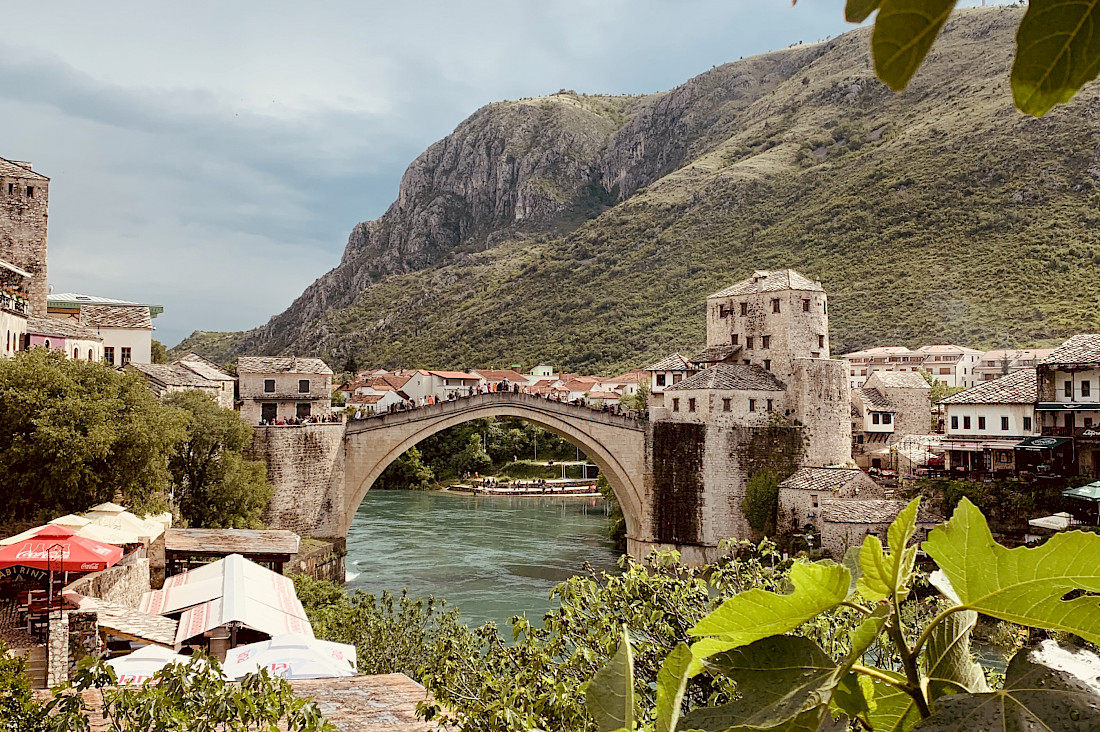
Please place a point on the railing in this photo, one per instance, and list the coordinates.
(1057, 431)
(13, 303)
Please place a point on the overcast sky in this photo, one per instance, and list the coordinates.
(213, 157)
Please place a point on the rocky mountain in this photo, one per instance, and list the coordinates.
(588, 230)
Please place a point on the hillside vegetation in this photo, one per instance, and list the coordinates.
(587, 231)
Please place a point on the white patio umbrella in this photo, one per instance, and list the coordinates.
(140, 665)
(292, 657)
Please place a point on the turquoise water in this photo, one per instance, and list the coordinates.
(492, 557)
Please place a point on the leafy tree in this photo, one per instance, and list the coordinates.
(939, 389)
(214, 485)
(338, 398)
(407, 472)
(18, 710)
(159, 353)
(75, 433)
(761, 501)
(192, 696)
(473, 457)
(928, 682)
(1057, 49)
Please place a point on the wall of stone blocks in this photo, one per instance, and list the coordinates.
(321, 560)
(821, 403)
(23, 224)
(123, 583)
(914, 415)
(305, 464)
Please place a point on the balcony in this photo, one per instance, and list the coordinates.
(14, 303)
(1057, 431)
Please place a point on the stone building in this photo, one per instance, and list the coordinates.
(774, 401)
(24, 217)
(670, 370)
(845, 522)
(227, 382)
(889, 406)
(801, 495)
(283, 387)
(166, 378)
(14, 307)
(72, 339)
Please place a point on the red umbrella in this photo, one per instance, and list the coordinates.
(68, 552)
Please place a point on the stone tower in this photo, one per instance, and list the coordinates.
(774, 317)
(24, 213)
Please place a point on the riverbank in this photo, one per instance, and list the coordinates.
(552, 487)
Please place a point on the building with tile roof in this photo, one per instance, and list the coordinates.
(227, 382)
(672, 369)
(274, 388)
(24, 216)
(845, 523)
(72, 339)
(983, 425)
(801, 494)
(890, 405)
(1068, 404)
(126, 330)
(166, 378)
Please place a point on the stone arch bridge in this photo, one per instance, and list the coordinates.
(680, 485)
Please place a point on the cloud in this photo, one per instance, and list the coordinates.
(213, 158)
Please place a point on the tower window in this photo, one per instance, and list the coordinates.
(30, 191)
(11, 189)
(748, 342)
(821, 341)
(734, 338)
(805, 306)
(775, 304)
(744, 308)
(767, 364)
(765, 341)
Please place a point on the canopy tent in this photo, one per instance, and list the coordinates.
(1057, 522)
(240, 608)
(225, 577)
(80, 527)
(140, 665)
(114, 516)
(58, 548)
(1090, 492)
(292, 657)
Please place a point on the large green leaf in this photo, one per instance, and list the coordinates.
(892, 710)
(888, 575)
(904, 31)
(677, 669)
(610, 695)
(1057, 52)
(856, 11)
(1034, 697)
(1020, 585)
(947, 661)
(750, 616)
(784, 682)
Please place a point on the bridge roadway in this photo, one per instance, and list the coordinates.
(616, 443)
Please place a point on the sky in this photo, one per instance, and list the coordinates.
(213, 157)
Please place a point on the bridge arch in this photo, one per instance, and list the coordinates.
(616, 444)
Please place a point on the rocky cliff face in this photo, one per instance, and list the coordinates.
(588, 230)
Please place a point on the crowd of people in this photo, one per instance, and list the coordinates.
(504, 386)
(333, 418)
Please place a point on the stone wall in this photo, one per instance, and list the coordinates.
(23, 220)
(286, 394)
(322, 560)
(57, 651)
(124, 583)
(305, 464)
(821, 403)
(84, 639)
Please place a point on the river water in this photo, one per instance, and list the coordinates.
(491, 557)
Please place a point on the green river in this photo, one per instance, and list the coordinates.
(491, 557)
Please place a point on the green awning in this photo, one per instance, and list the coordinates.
(1066, 407)
(1041, 443)
(1090, 492)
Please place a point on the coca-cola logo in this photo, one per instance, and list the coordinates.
(41, 550)
(89, 565)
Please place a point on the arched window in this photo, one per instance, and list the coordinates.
(90, 355)
(7, 343)
(46, 343)
(76, 354)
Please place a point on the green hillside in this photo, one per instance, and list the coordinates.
(935, 215)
